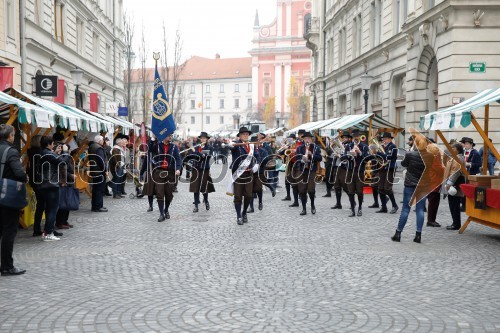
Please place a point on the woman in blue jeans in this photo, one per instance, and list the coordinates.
(48, 187)
(415, 166)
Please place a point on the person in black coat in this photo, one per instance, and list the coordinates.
(355, 157)
(97, 174)
(48, 171)
(9, 222)
(415, 162)
(308, 156)
(201, 181)
(243, 164)
(167, 168)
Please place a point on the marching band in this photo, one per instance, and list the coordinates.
(350, 165)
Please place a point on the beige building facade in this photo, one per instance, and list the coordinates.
(10, 50)
(419, 53)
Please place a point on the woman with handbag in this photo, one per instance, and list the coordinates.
(454, 178)
(10, 169)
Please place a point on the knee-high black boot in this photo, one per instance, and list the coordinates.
(237, 207)
(150, 201)
(303, 199)
(312, 197)
(295, 195)
(353, 205)
(338, 197)
(287, 186)
(360, 200)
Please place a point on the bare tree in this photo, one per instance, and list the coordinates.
(146, 92)
(172, 70)
(129, 29)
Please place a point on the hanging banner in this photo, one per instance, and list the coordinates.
(6, 77)
(94, 102)
(111, 108)
(122, 111)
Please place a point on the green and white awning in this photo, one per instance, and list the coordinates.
(27, 113)
(459, 115)
(359, 121)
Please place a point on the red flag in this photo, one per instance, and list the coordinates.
(6, 77)
(94, 102)
(60, 92)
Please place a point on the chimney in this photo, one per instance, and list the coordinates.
(217, 56)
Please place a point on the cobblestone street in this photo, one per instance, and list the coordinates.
(124, 272)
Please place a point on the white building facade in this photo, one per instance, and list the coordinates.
(211, 95)
(62, 35)
(419, 53)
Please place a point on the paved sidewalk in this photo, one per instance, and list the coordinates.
(124, 272)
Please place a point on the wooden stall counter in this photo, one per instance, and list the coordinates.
(490, 216)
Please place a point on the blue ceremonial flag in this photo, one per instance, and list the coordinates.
(163, 123)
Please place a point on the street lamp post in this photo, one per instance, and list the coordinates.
(366, 82)
(77, 76)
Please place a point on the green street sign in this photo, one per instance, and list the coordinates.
(477, 67)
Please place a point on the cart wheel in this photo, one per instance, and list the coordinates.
(131, 195)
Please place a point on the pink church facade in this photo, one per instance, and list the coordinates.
(280, 57)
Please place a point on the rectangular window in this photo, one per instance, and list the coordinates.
(236, 103)
(207, 104)
(249, 87)
(359, 34)
(192, 104)
(207, 89)
(97, 48)
(222, 119)
(379, 19)
(221, 88)
(249, 103)
(108, 58)
(236, 87)
(192, 120)
(10, 18)
(221, 104)
(192, 89)
(266, 89)
(207, 120)
(355, 37)
(80, 35)
(374, 24)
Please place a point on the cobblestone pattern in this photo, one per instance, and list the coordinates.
(124, 272)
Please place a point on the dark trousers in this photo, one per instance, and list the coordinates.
(48, 202)
(434, 199)
(8, 232)
(98, 192)
(116, 184)
(62, 217)
(454, 203)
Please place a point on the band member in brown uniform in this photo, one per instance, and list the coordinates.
(308, 155)
(294, 173)
(386, 174)
(201, 181)
(340, 173)
(242, 167)
(288, 171)
(355, 154)
(167, 166)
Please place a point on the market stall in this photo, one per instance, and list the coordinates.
(482, 205)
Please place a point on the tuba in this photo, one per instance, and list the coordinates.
(380, 148)
(337, 146)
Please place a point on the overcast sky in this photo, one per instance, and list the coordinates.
(207, 26)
